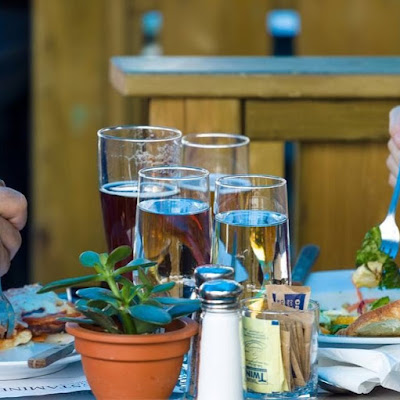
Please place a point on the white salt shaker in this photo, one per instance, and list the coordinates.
(202, 273)
(220, 375)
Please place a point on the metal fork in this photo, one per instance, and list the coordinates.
(7, 315)
(389, 230)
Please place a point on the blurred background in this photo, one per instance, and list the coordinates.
(56, 93)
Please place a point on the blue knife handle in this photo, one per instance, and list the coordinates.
(305, 260)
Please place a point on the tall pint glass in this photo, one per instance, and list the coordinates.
(122, 152)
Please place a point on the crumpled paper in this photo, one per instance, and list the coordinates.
(69, 379)
(361, 370)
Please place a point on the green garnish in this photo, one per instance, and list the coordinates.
(390, 275)
(370, 248)
(370, 251)
(380, 302)
(336, 328)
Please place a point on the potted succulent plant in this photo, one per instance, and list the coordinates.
(131, 339)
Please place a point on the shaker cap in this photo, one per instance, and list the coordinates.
(209, 272)
(220, 293)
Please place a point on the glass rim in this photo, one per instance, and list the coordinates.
(244, 140)
(313, 306)
(280, 182)
(201, 173)
(103, 133)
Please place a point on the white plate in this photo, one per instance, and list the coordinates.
(332, 289)
(14, 362)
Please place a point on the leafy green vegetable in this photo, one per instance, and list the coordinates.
(336, 328)
(380, 302)
(390, 275)
(370, 248)
(370, 251)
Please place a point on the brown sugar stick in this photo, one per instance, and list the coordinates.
(295, 358)
(285, 347)
(307, 330)
(300, 342)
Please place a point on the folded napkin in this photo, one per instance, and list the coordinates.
(361, 370)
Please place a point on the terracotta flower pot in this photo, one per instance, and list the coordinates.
(120, 367)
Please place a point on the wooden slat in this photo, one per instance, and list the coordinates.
(318, 120)
(343, 192)
(218, 27)
(267, 157)
(356, 27)
(257, 77)
(257, 86)
(65, 204)
(167, 112)
(193, 116)
(213, 115)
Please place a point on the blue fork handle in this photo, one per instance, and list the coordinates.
(395, 196)
(10, 314)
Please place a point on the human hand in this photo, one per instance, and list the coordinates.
(393, 160)
(13, 215)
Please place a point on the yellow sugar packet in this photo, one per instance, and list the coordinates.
(263, 357)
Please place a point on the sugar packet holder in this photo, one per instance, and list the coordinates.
(285, 324)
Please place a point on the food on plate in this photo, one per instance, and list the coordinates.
(37, 316)
(336, 321)
(383, 321)
(374, 267)
(368, 317)
(20, 336)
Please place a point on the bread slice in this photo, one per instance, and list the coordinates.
(19, 337)
(383, 321)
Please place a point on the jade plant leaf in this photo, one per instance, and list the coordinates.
(118, 254)
(97, 293)
(86, 321)
(134, 267)
(103, 307)
(181, 309)
(144, 327)
(175, 300)
(153, 302)
(63, 283)
(89, 258)
(144, 279)
(80, 303)
(106, 322)
(103, 258)
(150, 314)
(164, 287)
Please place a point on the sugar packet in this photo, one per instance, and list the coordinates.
(296, 297)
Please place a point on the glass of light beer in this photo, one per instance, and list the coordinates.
(174, 223)
(251, 231)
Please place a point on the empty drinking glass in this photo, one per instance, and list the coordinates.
(219, 153)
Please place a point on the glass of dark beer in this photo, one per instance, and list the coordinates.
(122, 152)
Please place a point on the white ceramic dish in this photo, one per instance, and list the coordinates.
(14, 365)
(332, 289)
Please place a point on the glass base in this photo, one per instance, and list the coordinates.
(305, 392)
(181, 384)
